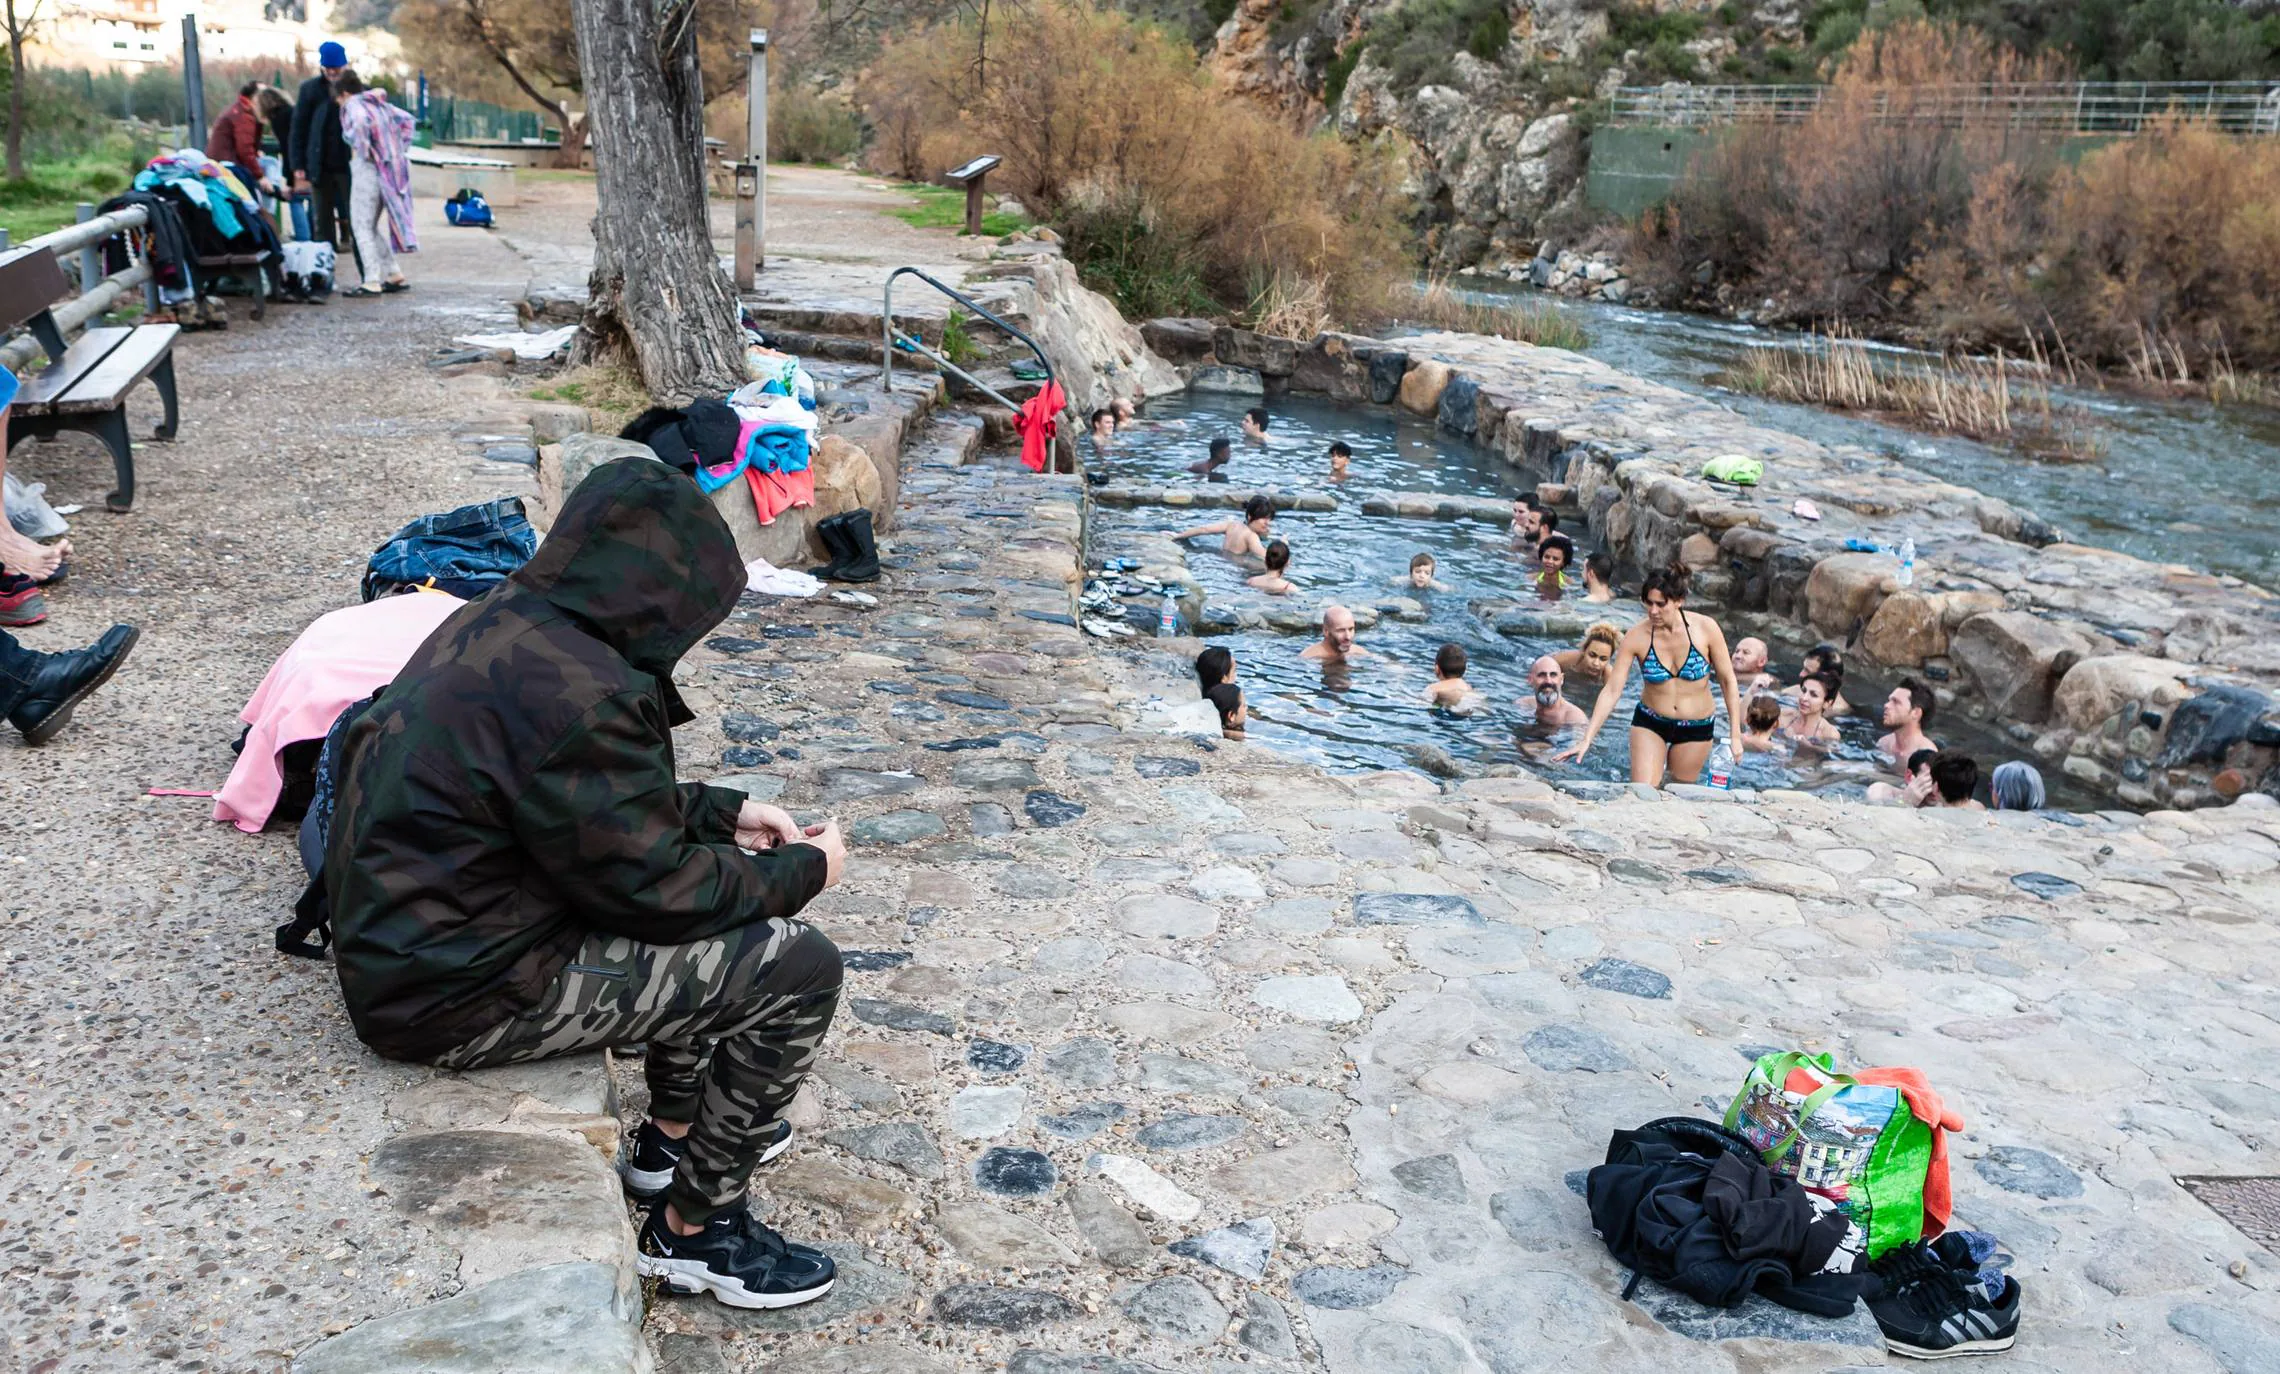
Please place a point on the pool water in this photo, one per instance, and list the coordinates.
(1372, 714)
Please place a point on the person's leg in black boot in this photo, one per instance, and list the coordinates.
(37, 691)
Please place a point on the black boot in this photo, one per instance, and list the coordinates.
(828, 533)
(61, 680)
(862, 563)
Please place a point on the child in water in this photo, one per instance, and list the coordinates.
(1419, 578)
(1215, 674)
(1449, 687)
(1272, 581)
(1759, 720)
(1341, 457)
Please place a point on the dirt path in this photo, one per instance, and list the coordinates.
(190, 1107)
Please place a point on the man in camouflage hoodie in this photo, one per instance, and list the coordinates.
(514, 871)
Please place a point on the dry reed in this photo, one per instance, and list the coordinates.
(1437, 304)
(1998, 399)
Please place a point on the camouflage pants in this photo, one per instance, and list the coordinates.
(732, 1025)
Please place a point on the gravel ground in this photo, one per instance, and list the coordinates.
(183, 1190)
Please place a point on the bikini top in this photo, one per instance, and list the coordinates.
(1694, 669)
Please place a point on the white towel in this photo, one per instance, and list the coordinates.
(765, 577)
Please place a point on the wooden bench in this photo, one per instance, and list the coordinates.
(241, 265)
(85, 384)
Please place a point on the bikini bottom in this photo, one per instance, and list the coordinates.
(1674, 731)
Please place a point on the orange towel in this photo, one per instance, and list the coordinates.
(773, 493)
(1036, 423)
(1924, 1101)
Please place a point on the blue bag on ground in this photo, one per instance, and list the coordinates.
(468, 209)
(466, 551)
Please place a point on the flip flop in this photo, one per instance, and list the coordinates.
(364, 291)
(392, 287)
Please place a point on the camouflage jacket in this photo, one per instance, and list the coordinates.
(513, 789)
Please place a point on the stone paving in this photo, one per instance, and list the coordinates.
(1167, 1054)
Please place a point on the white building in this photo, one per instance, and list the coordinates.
(102, 35)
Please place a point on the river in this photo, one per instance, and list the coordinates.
(2183, 481)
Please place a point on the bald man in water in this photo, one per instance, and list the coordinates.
(1749, 665)
(1337, 643)
(1552, 709)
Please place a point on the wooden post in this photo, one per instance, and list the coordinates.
(752, 173)
(974, 205)
(193, 83)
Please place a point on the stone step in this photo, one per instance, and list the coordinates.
(1211, 497)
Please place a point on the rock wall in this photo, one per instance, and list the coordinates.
(2150, 683)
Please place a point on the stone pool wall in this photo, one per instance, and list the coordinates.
(2149, 683)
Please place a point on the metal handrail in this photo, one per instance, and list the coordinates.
(2090, 107)
(96, 297)
(892, 337)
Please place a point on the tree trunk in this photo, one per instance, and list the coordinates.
(15, 96)
(658, 293)
(572, 154)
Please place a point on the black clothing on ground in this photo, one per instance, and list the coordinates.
(704, 431)
(1691, 1205)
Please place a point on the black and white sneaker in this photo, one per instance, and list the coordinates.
(1937, 1303)
(652, 1157)
(736, 1259)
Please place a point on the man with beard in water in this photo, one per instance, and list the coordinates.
(1553, 711)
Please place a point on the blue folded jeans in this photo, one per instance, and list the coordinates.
(466, 552)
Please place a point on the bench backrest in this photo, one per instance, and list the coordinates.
(31, 281)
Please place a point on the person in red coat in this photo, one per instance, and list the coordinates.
(236, 139)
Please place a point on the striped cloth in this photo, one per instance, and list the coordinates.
(378, 130)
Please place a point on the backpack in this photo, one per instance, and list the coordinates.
(468, 209)
(308, 267)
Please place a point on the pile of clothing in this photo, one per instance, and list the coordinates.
(763, 432)
(209, 213)
(1833, 1190)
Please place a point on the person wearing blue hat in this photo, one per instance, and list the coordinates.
(38, 691)
(317, 156)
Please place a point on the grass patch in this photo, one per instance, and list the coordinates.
(958, 343)
(48, 197)
(944, 207)
(1437, 305)
(2000, 400)
(612, 394)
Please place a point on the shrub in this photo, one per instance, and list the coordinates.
(1165, 189)
(1414, 42)
(809, 125)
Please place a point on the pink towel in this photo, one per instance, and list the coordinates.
(339, 660)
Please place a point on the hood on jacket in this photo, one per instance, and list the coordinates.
(639, 556)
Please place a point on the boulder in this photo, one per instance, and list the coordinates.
(553, 421)
(2017, 659)
(845, 479)
(2202, 728)
(1459, 408)
(1957, 607)
(1227, 381)
(1387, 368)
(562, 466)
(1262, 353)
(1422, 385)
(1331, 365)
(1697, 552)
(1180, 339)
(1845, 589)
(2093, 690)
(1905, 630)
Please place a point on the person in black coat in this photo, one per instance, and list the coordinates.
(316, 156)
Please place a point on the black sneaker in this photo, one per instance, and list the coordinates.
(1936, 1303)
(736, 1259)
(648, 1166)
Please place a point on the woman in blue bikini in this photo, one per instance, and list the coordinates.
(1675, 722)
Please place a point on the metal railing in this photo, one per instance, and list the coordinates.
(97, 294)
(892, 338)
(2073, 107)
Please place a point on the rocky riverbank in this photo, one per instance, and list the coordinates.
(2150, 683)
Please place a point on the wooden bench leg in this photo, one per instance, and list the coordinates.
(163, 378)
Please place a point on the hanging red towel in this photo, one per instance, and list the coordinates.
(1037, 422)
(773, 493)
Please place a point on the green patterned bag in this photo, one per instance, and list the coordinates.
(1855, 1143)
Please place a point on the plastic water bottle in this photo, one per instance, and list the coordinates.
(1169, 623)
(1908, 561)
(1721, 770)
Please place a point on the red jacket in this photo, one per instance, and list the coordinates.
(236, 138)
